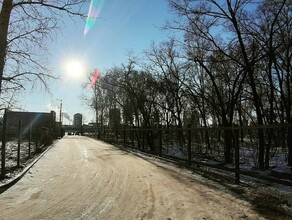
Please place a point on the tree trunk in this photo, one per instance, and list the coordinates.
(268, 148)
(288, 114)
(258, 104)
(97, 133)
(289, 143)
(227, 141)
(207, 139)
(227, 145)
(4, 24)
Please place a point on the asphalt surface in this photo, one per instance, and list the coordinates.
(81, 178)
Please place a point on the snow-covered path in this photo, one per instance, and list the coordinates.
(81, 178)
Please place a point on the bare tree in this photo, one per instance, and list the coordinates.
(202, 22)
(24, 27)
(250, 35)
(270, 36)
(96, 100)
(169, 67)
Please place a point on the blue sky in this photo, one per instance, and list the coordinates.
(124, 25)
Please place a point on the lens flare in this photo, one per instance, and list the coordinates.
(95, 77)
(93, 13)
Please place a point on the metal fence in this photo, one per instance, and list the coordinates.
(205, 146)
(20, 145)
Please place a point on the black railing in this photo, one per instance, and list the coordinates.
(207, 146)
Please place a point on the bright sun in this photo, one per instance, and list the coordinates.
(74, 69)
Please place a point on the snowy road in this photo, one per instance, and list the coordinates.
(80, 178)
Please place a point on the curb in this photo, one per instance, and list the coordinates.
(5, 186)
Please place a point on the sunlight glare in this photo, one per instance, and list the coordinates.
(74, 69)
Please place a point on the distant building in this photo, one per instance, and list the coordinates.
(34, 120)
(77, 120)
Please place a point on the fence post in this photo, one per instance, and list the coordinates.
(133, 138)
(29, 142)
(19, 140)
(143, 140)
(3, 150)
(160, 139)
(236, 143)
(189, 144)
(124, 136)
(37, 140)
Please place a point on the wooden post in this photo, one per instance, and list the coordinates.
(189, 145)
(29, 143)
(3, 150)
(19, 140)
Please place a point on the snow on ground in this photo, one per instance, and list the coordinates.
(107, 183)
(260, 192)
(11, 158)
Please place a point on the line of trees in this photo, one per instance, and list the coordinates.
(231, 67)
